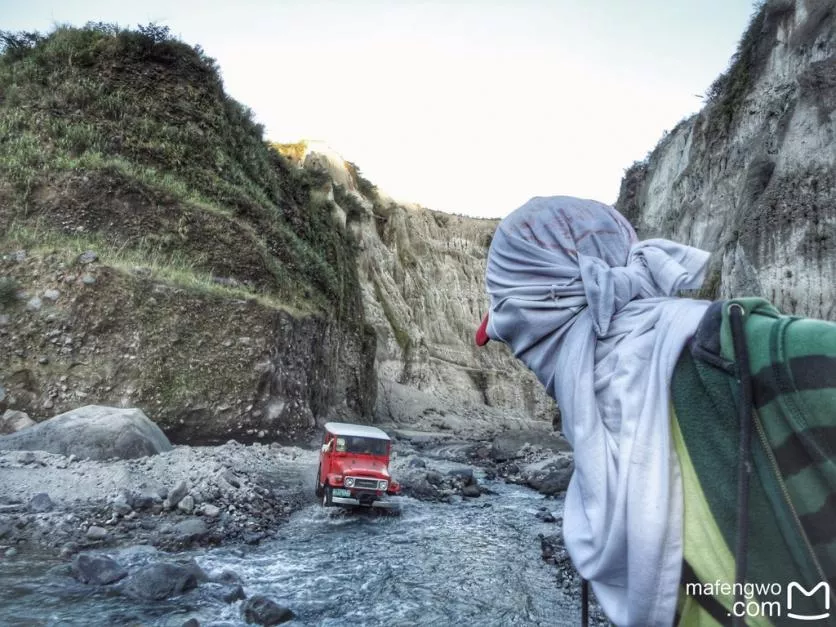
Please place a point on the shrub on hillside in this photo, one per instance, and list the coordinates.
(8, 291)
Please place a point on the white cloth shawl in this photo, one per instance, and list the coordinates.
(587, 307)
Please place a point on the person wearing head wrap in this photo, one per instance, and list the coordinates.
(590, 310)
(662, 399)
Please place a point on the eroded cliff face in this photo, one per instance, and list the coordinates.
(205, 366)
(422, 275)
(752, 178)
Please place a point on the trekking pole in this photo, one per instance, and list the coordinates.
(584, 603)
(744, 467)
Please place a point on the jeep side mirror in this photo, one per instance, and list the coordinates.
(326, 447)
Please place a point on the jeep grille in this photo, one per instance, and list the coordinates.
(368, 484)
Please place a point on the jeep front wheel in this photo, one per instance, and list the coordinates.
(318, 490)
(327, 496)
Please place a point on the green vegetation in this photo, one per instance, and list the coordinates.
(175, 267)
(364, 186)
(353, 209)
(728, 91)
(8, 291)
(128, 137)
(710, 289)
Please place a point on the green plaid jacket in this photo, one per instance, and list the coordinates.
(792, 508)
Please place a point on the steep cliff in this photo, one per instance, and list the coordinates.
(422, 276)
(752, 177)
(156, 252)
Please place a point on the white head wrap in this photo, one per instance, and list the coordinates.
(588, 308)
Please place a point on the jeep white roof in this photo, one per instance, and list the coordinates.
(358, 431)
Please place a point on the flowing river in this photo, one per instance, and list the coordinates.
(476, 562)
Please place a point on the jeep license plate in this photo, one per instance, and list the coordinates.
(342, 492)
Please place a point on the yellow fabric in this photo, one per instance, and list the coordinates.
(703, 545)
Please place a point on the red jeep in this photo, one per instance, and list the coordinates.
(354, 467)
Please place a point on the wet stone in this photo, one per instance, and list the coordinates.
(41, 503)
(97, 569)
(94, 532)
(190, 529)
(264, 611)
(160, 581)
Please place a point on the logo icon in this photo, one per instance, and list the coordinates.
(808, 593)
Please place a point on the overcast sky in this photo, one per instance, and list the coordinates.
(470, 106)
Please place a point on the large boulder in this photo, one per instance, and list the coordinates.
(160, 581)
(513, 444)
(12, 421)
(550, 476)
(93, 432)
(97, 569)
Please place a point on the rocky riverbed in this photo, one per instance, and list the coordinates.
(89, 515)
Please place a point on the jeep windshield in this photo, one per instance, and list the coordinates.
(364, 446)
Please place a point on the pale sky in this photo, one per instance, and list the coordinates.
(469, 106)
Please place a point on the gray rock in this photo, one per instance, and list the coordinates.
(4, 320)
(25, 458)
(41, 503)
(231, 594)
(95, 532)
(508, 445)
(11, 552)
(52, 295)
(34, 304)
(142, 501)
(186, 504)
(6, 529)
(190, 529)
(209, 510)
(192, 622)
(222, 592)
(417, 462)
(263, 611)
(4, 401)
(465, 475)
(546, 517)
(471, 490)
(121, 506)
(549, 477)
(435, 478)
(94, 432)
(100, 570)
(160, 581)
(88, 279)
(177, 494)
(19, 256)
(231, 479)
(87, 257)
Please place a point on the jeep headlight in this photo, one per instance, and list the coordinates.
(382, 485)
(348, 482)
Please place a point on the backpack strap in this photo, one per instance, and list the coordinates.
(736, 314)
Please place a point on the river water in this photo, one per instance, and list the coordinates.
(476, 562)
